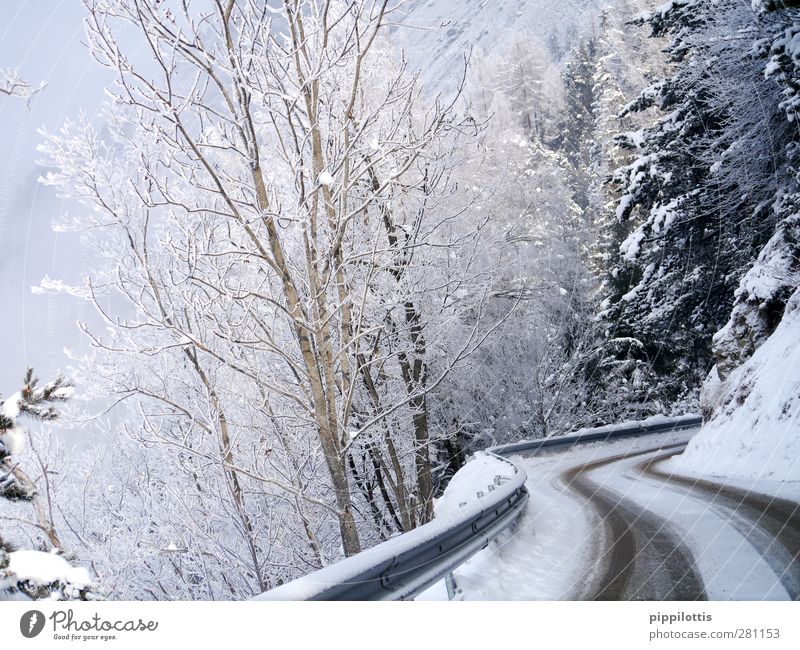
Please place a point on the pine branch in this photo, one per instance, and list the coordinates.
(40, 402)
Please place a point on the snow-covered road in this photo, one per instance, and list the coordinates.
(608, 521)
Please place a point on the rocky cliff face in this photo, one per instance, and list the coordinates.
(760, 299)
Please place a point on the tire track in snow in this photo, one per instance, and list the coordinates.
(644, 560)
(770, 524)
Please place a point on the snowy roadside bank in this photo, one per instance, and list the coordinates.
(755, 432)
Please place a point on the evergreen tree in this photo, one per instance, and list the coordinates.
(699, 197)
(33, 573)
(577, 123)
(764, 291)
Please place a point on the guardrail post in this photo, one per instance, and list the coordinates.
(450, 583)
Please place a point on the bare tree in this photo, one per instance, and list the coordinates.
(274, 200)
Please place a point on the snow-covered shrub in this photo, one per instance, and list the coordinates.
(42, 575)
(33, 573)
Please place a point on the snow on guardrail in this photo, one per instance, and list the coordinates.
(403, 566)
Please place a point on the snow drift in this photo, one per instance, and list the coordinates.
(755, 430)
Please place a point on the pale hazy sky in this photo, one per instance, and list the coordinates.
(42, 39)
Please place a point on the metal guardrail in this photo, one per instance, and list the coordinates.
(601, 434)
(402, 567)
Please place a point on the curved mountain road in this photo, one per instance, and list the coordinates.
(770, 524)
(640, 558)
(652, 535)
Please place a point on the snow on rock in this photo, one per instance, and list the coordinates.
(760, 297)
(755, 431)
(41, 569)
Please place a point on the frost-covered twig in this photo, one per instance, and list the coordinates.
(13, 85)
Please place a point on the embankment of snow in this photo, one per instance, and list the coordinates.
(473, 478)
(755, 430)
